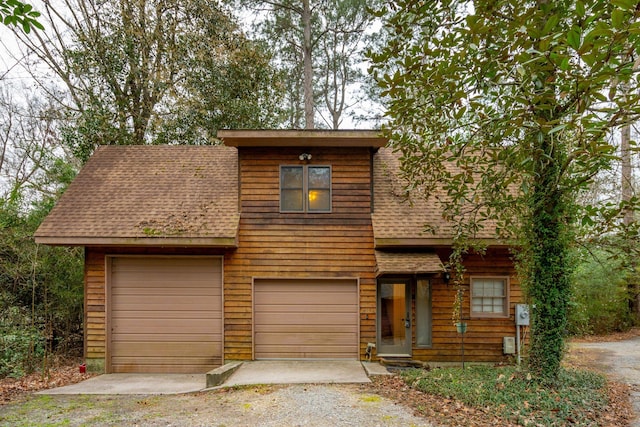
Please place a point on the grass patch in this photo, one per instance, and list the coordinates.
(511, 394)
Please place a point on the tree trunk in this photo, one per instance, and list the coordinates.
(308, 66)
(549, 267)
(628, 218)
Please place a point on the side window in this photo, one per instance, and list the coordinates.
(305, 189)
(489, 296)
(423, 313)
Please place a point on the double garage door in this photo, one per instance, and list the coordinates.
(166, 314)
(306, 319)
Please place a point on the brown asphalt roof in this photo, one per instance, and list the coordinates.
(399, 221)
(186, 195)
(407, 263)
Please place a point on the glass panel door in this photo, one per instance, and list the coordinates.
(394, 317)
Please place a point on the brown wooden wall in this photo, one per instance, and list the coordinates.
(483, 340)
(272, 245)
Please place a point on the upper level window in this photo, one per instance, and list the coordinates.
(490, 296)
(305, 189)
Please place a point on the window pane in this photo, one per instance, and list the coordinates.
(478, 288)
(291, 177)
(319, 177)
(488, 296)
(423, 313)
(319, 200)
(291, 200)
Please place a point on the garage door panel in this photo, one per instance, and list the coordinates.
(173, 314)
(164, 264)
(306, 319)
(165, 314)
(158, 295)
(312, 329)
(306, 352)
(163, 349)
(304, 339)
(302, 285)
(173, 337)
(177, 365)
(170, 326)
(317, 308)
(153, 280)
(308, 297)
(131, 305)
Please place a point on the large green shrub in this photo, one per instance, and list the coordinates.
(599, 303)
(41, 295)
(22, 342)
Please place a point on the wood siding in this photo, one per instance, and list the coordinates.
(277, 245)
(483, 340)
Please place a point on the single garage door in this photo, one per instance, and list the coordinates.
(306, 319)
(166, 314)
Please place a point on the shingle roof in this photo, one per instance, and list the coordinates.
(163, 195)
(407, 263)
(398, 221)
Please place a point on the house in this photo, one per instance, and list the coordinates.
(277, 244)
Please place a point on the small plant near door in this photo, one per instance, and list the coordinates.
(455, 263)
(457, 311)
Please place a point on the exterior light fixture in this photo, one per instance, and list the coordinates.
(305, 157)
(446, 276)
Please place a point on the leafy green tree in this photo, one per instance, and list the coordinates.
(40, 287)
(599, 293)
(318, 45)
(19, 14)
(41, 305)
(144, 71)
(506, 107)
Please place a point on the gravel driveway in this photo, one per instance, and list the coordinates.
(294, 405)
(620, 360)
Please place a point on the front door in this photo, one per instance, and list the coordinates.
(394, 317)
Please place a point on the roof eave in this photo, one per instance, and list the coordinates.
(202, 242)
(420, 242)
(302, 138)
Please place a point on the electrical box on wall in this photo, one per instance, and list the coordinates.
(522, 314)
(509, 345)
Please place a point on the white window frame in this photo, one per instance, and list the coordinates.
(305, 189)
(505, 304)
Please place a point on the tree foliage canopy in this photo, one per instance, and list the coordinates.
(19, 14)
(318, 46)
(153, 71)
(521, 97)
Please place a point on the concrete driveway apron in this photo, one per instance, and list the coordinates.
(259, 372)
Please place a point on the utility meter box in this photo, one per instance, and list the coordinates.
(509, 345)
(522, 314)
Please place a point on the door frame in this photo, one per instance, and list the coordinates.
(406, 349)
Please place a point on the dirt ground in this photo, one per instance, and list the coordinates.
(387, 401)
